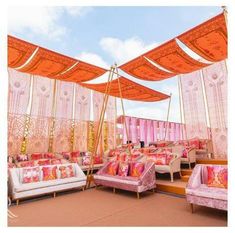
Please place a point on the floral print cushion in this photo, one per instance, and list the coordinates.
(136, 169)
(98, 159)
(26, 164)
(75, 154)
(86, 160)
(56, 161)
(66, 171)
(217, 176)
(185, 151)
(194, 143)
(43, 162)
(49, 156)
(203, 144)
(112, 168)
(49, 173)
(36, 156)
(31, 175)
(123, 169)
(22, 157)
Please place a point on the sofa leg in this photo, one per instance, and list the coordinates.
(114, 190)
(172, 177)
(189, 165)
(180, 174)
(138, 195)
(83, 188)
(17, 202)
(192, 208)
(54, 194)
(153, 190)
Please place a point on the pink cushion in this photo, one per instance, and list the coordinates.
(22, 157)
(36, 156)
(217, 176)
(26, 164)
(136, 169)
(31, 175)
(194, 143)
(123, 169)
(112, 168)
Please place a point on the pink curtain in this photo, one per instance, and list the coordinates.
(82, 118)
(155, 131)
(161, 130)
(63, 121)
(149, 131)
(133, 129)
(97, 107)
(143, 131)
(215, 79)
(194, 107)
(38, 138)
(111, 122)
(126, 130)
(18, 98)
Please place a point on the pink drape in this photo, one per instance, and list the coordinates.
(155, 131)
(97, 107)
(82, 118)
(215, 79)
(149, 124)
(38, 138)
(161, 130)
(18, 98)
(133, 130)
(142, 129)
(194, 107)
(111, 122)
(126, 130)
(63, 121)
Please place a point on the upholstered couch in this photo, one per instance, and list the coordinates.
(146, 181)
(20, 189)
(172, 167)
(198, 192)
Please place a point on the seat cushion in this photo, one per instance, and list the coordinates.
(162, 168)
(43, 184)
(210, 192)
(118, 179)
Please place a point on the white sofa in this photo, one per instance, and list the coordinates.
(173, 167)
(19, 190)
(191, 155)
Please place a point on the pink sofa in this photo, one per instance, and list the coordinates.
(147, 181)
(197, 191)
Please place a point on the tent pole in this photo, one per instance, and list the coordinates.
(180, 102)
(73, 118)
(167, 118)
(52, 127)
(27, 117)
(99, 129)
(123, 110)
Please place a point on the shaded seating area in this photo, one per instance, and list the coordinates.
(64, 134)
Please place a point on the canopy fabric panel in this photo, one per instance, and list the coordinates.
(130, 90)
(173, 58)
(19, 51)
(82, 72)
(48, 63)
(141, 68)
(215, 79)
(208, 39)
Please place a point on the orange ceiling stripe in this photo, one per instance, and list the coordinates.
(208, 39)
(173, 58)
(48, 63)
(143, 69)
(130, 90)
(19, 51)
(82, 72)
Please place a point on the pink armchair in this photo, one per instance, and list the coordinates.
(147, 180)
(197, 191)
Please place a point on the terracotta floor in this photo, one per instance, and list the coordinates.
(103, 208)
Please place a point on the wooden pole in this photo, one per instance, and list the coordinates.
(180, 102)
(53, 111)
(167, 118)
(27, 117)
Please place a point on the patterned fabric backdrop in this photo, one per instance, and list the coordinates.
(18, 98)
(215, 79)
(194, 105)
(82, 117)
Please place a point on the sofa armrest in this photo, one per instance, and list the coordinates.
(195, 179)
(192, 155)
(103, 169)
(148, 176)
(175, 164)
